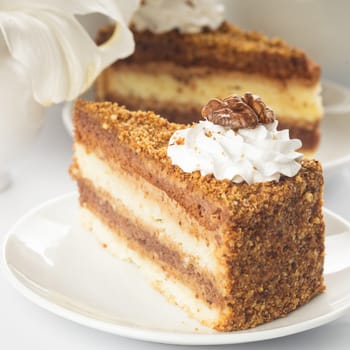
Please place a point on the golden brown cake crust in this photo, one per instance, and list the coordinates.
(227, 47)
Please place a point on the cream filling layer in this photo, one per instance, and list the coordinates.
(137, 195)
(291, 100)
(173, 290)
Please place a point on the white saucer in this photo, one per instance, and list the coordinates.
(59, 266)
(335, 97)
(334, 150)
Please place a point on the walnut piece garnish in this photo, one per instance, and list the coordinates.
(238, 112)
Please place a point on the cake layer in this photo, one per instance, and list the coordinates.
(168, 83)
(94, 131)
(155, 211)
(149, 246)
(175, 291)
(178, 94)
(228, 48)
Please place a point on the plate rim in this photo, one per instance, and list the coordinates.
(344, 90)
(153, 335)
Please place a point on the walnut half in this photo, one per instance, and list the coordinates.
(238, 112)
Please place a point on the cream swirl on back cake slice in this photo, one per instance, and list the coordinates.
(188, 16)
(239, 141)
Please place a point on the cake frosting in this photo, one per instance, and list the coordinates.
(247, 154)
(188, 16)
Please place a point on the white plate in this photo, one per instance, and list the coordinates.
(59, 266)
(334, 149)
(336, 98)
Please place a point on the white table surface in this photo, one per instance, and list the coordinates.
(41, 175)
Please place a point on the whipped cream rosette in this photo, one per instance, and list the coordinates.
(188, 16)
(239, 141)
